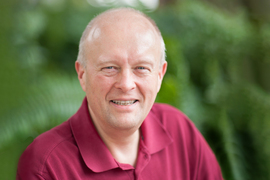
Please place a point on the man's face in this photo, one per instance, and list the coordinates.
(122, 75)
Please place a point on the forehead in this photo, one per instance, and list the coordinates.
(118, 21)
(122, 31)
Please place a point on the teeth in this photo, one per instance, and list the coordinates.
(124, 103)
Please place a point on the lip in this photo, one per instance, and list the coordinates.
(124, 103)
(124, 99)
(124, 107)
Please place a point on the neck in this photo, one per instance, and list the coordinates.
(123, 144)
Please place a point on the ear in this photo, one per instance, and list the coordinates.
(81, 74)
(161, 74)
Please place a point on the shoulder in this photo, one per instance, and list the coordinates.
(47, 141)
(34, 158)
(188, 140)
(178, 126)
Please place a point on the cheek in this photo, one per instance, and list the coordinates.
(99, 85)
(159, 81)
(149, 86)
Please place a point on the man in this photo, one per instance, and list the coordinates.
(119, 133)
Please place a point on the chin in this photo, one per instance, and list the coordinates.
(126, 123)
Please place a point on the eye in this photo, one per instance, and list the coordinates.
(109, 67)
(109, 70)
(141, 68)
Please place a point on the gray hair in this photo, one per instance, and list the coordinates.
(81, 55)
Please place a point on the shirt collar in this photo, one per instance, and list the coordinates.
(94, 152)
(154, 133)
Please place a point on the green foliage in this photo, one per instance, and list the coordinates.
(50, 102)
(211, 54)
(211, 77)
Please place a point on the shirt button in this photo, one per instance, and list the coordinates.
(145, 156)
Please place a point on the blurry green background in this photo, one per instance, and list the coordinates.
(218, 54)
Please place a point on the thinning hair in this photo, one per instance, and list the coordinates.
(81, 55)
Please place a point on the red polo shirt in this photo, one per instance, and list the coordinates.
(171, 148)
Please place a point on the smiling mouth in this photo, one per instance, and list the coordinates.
(124, 103)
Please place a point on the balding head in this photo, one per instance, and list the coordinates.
(120, 20)
(120, 67)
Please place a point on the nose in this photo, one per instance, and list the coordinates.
(125, 81)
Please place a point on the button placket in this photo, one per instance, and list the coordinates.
(143, 160)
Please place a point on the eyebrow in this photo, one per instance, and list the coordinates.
(145, 60)
(106, 61)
